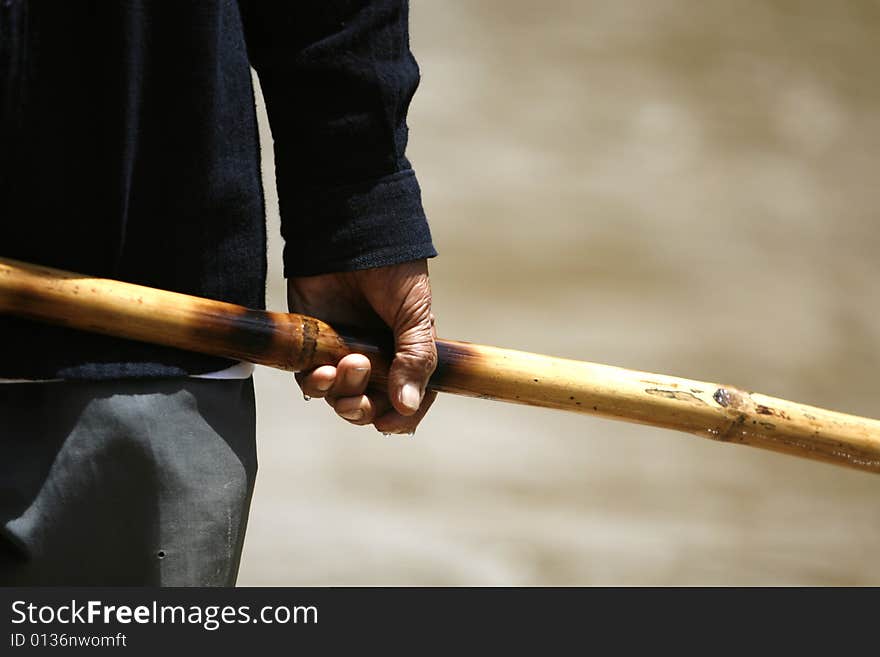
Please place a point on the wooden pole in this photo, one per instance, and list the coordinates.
(297, 342)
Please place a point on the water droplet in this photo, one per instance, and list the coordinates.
(307, 398)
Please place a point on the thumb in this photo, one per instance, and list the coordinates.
(415, 359)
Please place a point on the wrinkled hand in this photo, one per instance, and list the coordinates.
(399, 297)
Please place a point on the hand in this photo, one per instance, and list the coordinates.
(399, 297)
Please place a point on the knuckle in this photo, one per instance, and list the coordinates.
(421, 289)
(423, 360)
(416, 305)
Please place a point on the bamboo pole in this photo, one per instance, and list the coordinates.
(297, 342)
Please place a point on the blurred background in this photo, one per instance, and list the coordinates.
(679, 186)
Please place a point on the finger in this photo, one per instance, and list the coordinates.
(352, 377)
(394, 422)
(410, 370)
(415, 355)
(317, 382)
(361, 410)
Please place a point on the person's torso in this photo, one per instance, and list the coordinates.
(128, 150)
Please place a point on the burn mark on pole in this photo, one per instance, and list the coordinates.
(766, 410)
(679, 395)
(252, 332)
(309, 341)
(732, 430)
(448, 356)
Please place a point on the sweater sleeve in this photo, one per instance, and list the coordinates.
(338, 77)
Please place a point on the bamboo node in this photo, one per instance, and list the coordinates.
(728, 434)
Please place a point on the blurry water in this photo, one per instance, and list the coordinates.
(677, 186)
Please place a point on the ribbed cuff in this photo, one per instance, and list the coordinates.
(373, 224)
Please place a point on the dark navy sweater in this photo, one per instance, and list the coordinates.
(129, 150)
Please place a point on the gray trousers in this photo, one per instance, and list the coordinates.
(135, 483)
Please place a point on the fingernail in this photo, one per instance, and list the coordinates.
(324, 386)
(410, 396)
(357, 374)
(356, 414)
